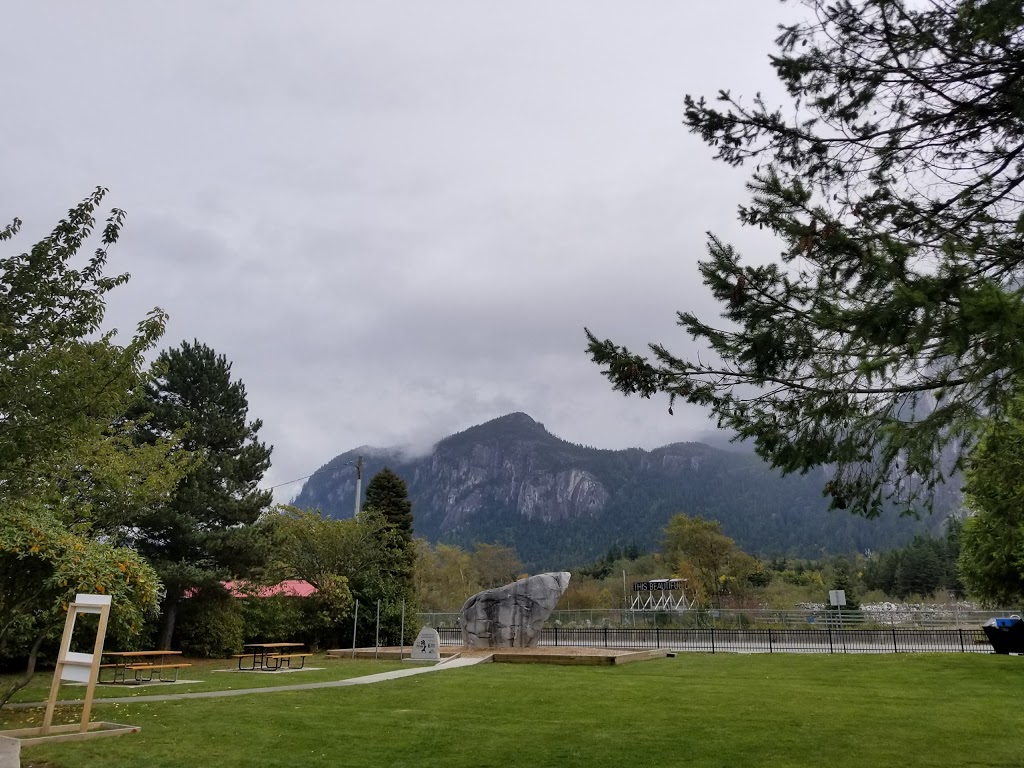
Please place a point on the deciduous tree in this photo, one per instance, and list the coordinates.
(697, 549)
(69, 471)
(345, 560)
(495, 564)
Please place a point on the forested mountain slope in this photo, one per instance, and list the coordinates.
(511, 481)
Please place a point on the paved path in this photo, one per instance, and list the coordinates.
(366, 680)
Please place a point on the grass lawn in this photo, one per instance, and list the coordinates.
(210, 675)
(698, 711)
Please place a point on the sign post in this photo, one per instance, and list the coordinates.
(837, 598)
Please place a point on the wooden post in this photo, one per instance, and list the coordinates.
(97, 653)
(65, 643)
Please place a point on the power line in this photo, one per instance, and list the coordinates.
(289, 482)
(357, 464)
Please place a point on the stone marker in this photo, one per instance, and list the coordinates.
(511, 616)
(427, 646)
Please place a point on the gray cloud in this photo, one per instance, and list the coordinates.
(395, 219)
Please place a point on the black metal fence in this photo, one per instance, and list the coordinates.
(827, 640)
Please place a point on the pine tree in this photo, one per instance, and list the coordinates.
(893, 183)
(387, 493)
(204, 532)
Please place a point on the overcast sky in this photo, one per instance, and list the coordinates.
(394, 218)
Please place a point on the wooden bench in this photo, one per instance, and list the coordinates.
(138, 669)
(287, 659)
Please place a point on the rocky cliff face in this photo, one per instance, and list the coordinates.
(511, 481)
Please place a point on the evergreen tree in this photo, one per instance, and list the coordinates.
(204, 532)
(842, 578)
(992, 540)
(387, 494)
(893, 183)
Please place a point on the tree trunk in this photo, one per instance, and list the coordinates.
(30, 671)
(167, 626)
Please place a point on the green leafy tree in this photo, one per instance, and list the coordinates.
(345, 560)
(44, 563)
(445, 577)
(992, 540)
(205, 531)
(495, 564)
(893, 183)
(696, 549)
(69, 471)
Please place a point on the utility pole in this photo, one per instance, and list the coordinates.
(359, 484)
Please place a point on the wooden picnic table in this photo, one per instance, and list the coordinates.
(142, 663)
(269, 656)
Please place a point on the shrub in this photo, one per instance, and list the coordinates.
(210, 625)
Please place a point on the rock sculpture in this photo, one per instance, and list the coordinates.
(511, 616)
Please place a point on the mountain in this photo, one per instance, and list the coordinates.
(559, 504)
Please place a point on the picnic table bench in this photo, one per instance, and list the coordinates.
(140, 665)
(268, 656)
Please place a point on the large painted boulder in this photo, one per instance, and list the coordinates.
(511, 616)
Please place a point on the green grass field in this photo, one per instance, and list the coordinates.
(695, 710)
(213, 675)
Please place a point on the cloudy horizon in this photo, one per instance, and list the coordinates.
(394, 219)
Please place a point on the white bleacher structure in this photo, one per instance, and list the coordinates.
(660, 595)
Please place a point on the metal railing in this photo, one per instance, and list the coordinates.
(714, 640)
(867, 618)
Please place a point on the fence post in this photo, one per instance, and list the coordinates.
(830, 648)
(770, 649)
(962, 649)
(556, 635)
(895, 648)
(376, 638)
(605, 635)
(657, 636)
(712, 639)
(355, 623)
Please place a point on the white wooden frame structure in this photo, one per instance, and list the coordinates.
(75, 667)
(658, 596)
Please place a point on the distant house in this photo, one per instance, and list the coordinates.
(291, 588)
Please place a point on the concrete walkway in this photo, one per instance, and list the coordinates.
(366, 680)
